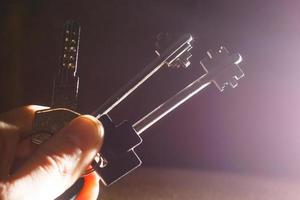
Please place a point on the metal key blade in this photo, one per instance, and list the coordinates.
(221, 69)
(174, 53)
(66, 82)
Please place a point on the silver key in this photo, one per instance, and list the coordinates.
(221, 69)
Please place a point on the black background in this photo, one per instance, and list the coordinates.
(253, 128)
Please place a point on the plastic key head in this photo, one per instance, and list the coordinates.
(118, 151)
(223, 68)
(118, 167)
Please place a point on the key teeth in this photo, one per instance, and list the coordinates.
(183, 60)
(233, 82)
(223, 49)
(220, 87)
(222, 81)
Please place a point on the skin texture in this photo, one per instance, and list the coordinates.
(29, 171)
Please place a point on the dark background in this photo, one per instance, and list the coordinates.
(253, 128)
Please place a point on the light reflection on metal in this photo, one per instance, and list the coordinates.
(168, 57)
(118, 156)
(221, 69)
(168, 106)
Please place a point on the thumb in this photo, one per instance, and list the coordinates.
(59, 162)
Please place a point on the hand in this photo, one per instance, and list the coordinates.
(28, 171)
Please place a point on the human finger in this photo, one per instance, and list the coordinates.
(59, 162)
(14, 125)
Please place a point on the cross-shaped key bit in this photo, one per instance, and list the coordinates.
(223, 67)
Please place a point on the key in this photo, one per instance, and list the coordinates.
(178, 52)
(65, 90)
(66, 81)
(123, 158)
(118, 157)
(221, 68)
(117, 151)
